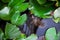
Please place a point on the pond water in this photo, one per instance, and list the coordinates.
(48, 23)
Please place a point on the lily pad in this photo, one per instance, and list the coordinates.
(51, 34)
(11, 31)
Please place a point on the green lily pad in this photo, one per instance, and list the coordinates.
(51, 34)
(11, 31)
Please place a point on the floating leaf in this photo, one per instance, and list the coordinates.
(22, 19)
(11, 31)
(57, 13)
(50, 34)
(21, 7)
(4, 13)
(12, 3)
(22, 37)
(39, 10)
(31, 37)
(15, 17)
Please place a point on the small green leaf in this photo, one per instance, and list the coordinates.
(22, 19)
(21, 7)
(1, 35)
(12, 12)
(12, 3)
(4, 13)
(22, 37)
(31, 37)
(50, 34)
(11, 31)
(57, 13)
(39, 10)
(15, 17)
